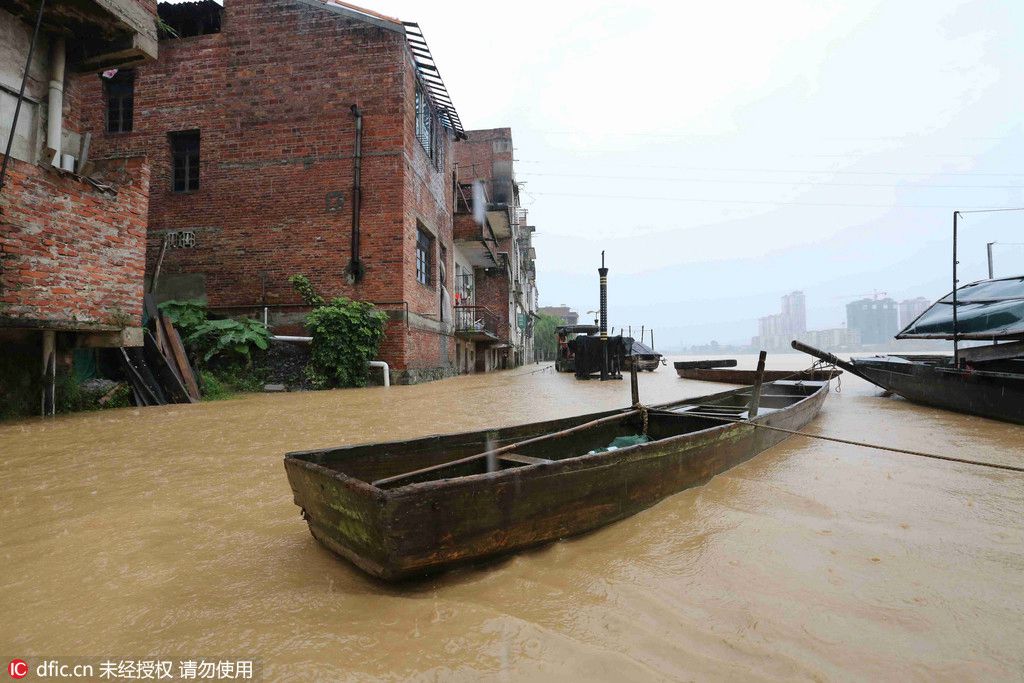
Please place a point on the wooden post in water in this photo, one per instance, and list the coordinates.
(634, 387)
(755, 397)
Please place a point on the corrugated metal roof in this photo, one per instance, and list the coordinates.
(424, 60)
(432, 78)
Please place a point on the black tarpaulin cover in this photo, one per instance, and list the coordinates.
(987, 309)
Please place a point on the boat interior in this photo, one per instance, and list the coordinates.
(397, 464)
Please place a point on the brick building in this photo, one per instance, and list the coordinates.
(255, 120)
(494, 256)
(72, 217)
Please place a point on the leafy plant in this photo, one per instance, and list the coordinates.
(165, 30)
(187, 316)
(305, 288)
(346, 336)
(232, 340)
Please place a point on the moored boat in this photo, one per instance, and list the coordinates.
(986, 380)
(734, 376)
(410, 508)
(644, 356)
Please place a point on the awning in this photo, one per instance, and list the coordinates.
(987, 309)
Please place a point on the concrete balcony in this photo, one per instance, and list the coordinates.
(476, 323)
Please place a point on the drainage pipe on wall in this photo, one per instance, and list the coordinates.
(55, 113)
(383, 366)
(307, 340)
(355, 266)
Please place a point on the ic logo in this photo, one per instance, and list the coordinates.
(18, 668)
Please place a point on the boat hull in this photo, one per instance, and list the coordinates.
(425, 527)
(995, 395)
(743, 377)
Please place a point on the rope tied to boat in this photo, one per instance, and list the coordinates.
(864, 444)
(644, 411)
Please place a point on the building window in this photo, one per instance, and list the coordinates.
(424, 122)
(120, 89)
(185, 160)
(424, 248)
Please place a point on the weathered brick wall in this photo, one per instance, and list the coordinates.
(492, 292)
(271, 97)
(71, 257)
(475, 156)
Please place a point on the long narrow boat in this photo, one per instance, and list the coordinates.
(410, 508)
(733, 376)
(985, 380)
(996, 392)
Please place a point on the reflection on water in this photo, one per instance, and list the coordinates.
(171, 532)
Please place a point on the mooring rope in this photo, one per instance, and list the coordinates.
(864, 444)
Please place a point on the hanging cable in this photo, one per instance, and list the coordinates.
(21, 94)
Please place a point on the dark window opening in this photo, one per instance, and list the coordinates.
(424, 247)
(120, 90)
(185, 161)
(188, 19)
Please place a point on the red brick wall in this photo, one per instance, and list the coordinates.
(71, 257)
(271, 97)
(492, 292)
(475, 155)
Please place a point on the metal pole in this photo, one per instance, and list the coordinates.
(21, 94)
(956, 328)
(634, 386)
(603, 273)
(990, 271)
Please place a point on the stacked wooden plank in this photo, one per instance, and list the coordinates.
(159, 372)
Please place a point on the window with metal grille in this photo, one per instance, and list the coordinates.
(424, 247)
(185, 160)
(120, 90)
(424, 122)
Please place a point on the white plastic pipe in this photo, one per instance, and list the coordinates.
(373, 363)
(384, 366)
(55, 114)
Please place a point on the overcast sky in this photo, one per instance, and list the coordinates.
(726, 153)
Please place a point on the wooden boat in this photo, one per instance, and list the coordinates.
(995, 392)
(733, 376)
(409, 508)
(705, 364)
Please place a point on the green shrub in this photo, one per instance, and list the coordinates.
(346, 336)
(213, 388)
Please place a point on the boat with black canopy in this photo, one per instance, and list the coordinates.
(986, 379)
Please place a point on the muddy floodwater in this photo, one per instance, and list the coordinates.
(170, 533)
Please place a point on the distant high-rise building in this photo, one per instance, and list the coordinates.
(876, 320)
(911, 308)
(775, 332)
(794, 313)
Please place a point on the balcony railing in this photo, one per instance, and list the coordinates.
(476, 321)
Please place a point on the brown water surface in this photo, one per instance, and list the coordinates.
(170, 532)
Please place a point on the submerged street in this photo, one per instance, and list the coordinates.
(171, 532)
